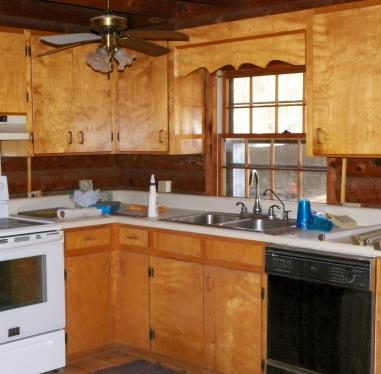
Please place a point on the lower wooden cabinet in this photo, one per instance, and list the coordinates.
(176, 290)
(89, 312)
(233, 321)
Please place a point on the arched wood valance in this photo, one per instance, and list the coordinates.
(257, 50)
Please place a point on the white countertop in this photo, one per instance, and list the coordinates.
(181, 204)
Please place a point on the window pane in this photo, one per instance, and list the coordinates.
(315, 186)
(313, 161)
(290, 119)
(264, 182)
(241, 90)
(259, 152)
(264, 89)
(235, 182)
(235, 151)
(286, 184)
(241, 121)
(263, 120)
(286, 153)
(290, 87)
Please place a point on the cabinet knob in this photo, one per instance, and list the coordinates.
(69, 137)
(319, 135)
(161, 136)
(81, 137)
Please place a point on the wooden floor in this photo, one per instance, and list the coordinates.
(94, 362)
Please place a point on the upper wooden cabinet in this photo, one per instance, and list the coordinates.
(71, 103)
(141, 105)
(344, 96)
(14, 88)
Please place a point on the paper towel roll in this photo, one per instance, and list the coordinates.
(78, 212)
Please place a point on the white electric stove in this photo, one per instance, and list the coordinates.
(32, 298)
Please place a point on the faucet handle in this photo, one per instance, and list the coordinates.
(271, 213)
(285, 214)
(243, 207)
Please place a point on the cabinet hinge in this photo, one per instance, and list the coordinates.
(151, 272)
(263, 364)
(263, 293)
(151, 334)
(66, 337)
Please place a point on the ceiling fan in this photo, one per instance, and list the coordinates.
(111, 32)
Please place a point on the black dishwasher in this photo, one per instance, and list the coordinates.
(320, 313)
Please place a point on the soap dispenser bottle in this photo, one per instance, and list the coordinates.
(152, 206)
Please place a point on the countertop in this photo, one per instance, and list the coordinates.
(180, 204)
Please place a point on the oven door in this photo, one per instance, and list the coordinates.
(32, 299)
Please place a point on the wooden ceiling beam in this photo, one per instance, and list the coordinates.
(148, 8)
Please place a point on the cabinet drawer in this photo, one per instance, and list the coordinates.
(133, 237)
(232, 251)
(95, 237)
(178, 244)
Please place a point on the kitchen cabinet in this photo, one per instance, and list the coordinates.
(233, 321)
(71, 103)
(14, 89)
(344, 80)
(194, 298)
(141, 105)
(88, 292)
(176, 289)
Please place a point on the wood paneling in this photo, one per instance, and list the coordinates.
(132, 322)
(177, 309)
(233, 321)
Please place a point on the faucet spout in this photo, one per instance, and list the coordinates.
(257, 209)
(284, 211)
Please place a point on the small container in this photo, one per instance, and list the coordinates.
(304, 214)
(152, 207)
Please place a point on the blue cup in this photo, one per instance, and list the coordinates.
(304, 214)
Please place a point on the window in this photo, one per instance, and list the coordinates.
(264, 129)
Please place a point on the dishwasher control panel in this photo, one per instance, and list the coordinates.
(339, 271)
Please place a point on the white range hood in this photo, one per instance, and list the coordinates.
(13, 127)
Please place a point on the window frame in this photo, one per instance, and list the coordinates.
(275, 68)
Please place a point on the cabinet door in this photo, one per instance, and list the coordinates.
(88, 300)
(13, 71)
(133, 301)
(52, 91)
(141, 105)
(233, 321)
(177, 309)
(92, 105)
(346, 81)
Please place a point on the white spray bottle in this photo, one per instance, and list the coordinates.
(152, 207)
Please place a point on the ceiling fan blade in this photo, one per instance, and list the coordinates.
(142, 46)
(158, 35)
(65, 39)
(50, 52)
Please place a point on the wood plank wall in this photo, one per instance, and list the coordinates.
(61, 173)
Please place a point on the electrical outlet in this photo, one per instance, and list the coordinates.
(36, 193)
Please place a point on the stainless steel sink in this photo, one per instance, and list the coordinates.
(271, 226)
(208, 219)
(237, 221)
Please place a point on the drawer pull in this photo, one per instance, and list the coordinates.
(131, 237)
(89, 239)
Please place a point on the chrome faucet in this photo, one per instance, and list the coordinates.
(257, 209)
(284, 211)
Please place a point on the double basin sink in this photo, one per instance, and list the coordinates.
(248, 222)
